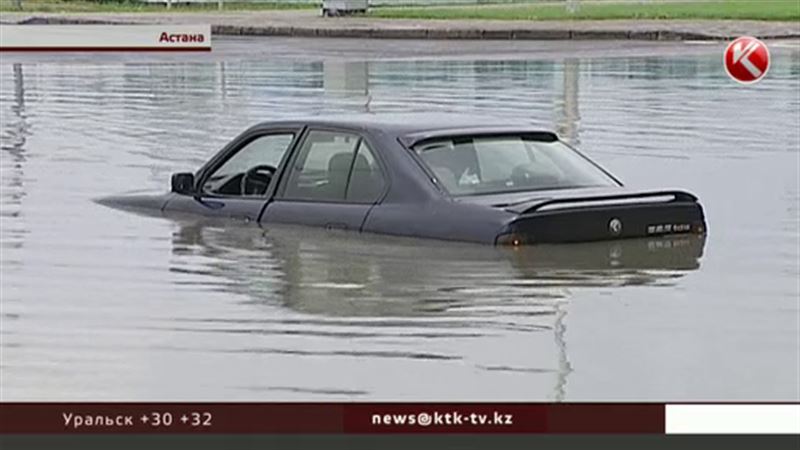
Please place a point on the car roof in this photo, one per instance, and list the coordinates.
(413, 127)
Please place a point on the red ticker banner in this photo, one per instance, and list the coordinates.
(376, 418)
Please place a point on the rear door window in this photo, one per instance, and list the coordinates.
(367, 181)
(335, 166)
(322, 166)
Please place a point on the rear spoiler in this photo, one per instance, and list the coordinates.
(410, 140)
(609, 200)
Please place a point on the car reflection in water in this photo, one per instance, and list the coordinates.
(342, 274)
(396, 287)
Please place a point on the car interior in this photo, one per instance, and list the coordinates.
(323, 172)
(338, 182)
(469, 165)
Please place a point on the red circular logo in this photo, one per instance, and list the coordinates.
(746, 59)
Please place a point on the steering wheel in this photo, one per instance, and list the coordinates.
(256, 180)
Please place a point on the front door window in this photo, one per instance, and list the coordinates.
(249, 172)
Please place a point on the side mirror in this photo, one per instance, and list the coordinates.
(183, 183)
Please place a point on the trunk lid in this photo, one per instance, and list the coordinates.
(592, 214)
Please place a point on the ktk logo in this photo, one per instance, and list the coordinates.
(746, 60)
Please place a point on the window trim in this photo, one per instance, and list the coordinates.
(234, 147)
(280, 191)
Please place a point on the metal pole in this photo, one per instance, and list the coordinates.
(19, 89)
(169, 4)
(570, 102)
(219, 4)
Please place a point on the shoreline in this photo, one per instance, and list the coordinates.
(308, 24)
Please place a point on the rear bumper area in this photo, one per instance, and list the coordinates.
(604, 218)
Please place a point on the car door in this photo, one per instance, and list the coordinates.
(332, 181)
(238, 182)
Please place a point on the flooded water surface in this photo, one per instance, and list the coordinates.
(101, 304)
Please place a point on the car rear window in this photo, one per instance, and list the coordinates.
(497, 164)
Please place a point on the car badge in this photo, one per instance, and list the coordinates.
(615, 227)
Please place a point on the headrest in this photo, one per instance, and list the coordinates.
(340, 162)
(361, 163)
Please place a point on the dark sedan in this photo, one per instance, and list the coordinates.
(441, 177)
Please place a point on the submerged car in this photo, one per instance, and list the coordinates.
(431, 176)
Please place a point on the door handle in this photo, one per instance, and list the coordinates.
(242, 217)
(335, 226)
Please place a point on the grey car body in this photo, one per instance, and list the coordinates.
(413, 200)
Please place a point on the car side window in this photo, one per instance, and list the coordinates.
(367, 180)
(322, 167)
(249, 171)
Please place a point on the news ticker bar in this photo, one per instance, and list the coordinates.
(166, 37)
(376, 418)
